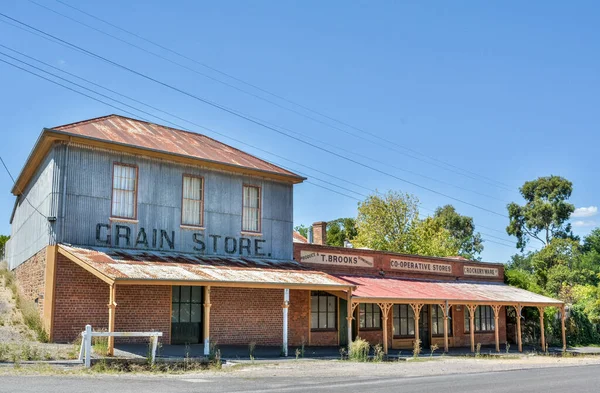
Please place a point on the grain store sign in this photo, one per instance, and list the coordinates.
(160, 239)
(420, 267)
(325, 258)
(480, 271)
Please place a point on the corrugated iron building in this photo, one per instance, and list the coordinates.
(182, 234)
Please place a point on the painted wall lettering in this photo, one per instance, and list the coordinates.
(480, 271)
(122, 235)
(335, 259)
(421, 267)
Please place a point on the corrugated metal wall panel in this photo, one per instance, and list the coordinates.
(159, 203)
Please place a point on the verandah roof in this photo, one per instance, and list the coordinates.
(398, 290)
(125, 266)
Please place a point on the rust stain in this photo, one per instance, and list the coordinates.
(120, 129)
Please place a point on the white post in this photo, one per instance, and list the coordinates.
(154, 345)
(286, 305)
(82, 349)
(88, 346)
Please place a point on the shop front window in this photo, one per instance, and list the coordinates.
(323, 311)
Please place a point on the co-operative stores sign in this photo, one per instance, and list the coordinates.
(421, 267)
(325, 258)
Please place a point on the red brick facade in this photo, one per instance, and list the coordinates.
(241, 316)
(31, 276)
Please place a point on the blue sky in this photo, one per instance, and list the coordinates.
(507, 90)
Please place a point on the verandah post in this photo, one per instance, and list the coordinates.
(206, 327)
(563, 316)
(111, 318)
(542, 329)
(472, 309)
(446, 312)
(496, 309)
(286, 305)
(349, 316)
(88, 346)
(519, 340)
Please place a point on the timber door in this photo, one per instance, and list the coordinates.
(424, 327)
(343, 324)
(186, 315)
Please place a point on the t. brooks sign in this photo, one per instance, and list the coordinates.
(480, 271)
(421, 267)
(335, 259)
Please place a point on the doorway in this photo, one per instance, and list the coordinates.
(186, 315)
(424, 327)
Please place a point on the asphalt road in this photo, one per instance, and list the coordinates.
(568, 379)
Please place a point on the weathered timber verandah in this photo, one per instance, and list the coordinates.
(387, 292)
(163, 269)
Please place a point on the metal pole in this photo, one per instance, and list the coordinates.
(446, 312)
(286, 305)
(349, 316)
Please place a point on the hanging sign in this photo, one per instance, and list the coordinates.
(421, 267)
(480, 271)
(326, 258)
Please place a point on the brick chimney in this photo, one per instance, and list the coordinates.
(320, 233)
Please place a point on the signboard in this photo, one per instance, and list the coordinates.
(336, 259)
(480, 271)
(421, 267)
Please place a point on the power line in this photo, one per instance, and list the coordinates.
(257, 122)
(386, 141)
(176, 125)
(280, 127)
(20, 190)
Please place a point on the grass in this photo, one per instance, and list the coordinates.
(358, 350)
(28, 309)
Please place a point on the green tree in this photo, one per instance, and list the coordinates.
(592, 241)
(521, 262)
(340, 230)
(385, 222)
(3, 240)
(429, 237)
(462, 230)
(301, 229)
(545, 213)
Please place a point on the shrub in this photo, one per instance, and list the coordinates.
(416, 348)
(358, 350)
(378, 353)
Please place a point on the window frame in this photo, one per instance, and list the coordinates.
(259, 188)
(481, 320)
(440, 316)
(135, 191)
(372, 313)
(319, 294)
(202, 185)
(409, 310)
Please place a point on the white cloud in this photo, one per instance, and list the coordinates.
(584, 223)
(585, 211)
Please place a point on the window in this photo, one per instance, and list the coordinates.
(323, 311)
(437, 321)
(370, 316)
(192, 205)
(124, 191)
(404, 320)
(251, 209)
(484, 319)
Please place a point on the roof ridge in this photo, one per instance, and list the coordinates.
(195, 134)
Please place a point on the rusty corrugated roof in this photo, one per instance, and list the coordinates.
(121, 265)
(406, 289)
(138, 133)
(298, 238)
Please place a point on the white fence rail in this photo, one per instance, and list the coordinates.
(85, 353)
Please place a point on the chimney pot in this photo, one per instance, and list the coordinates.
(320, 233)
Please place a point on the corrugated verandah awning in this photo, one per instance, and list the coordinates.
(126, 266)
(399, 290)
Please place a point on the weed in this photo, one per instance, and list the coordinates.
(4, 350)
(343, 353)
(358, 350)
(302, 346)
(100, 345)
(378, 353)
(298, 352)
(478, 350)
(507, 347)
(251, 349)
(433, 348)
(416, 348)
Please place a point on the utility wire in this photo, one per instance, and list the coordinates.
(387, 142)
(176, 125)
(20, 190)
(257, 122)
(291, 131)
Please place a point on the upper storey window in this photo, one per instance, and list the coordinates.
(251, 209)
(193, 202)
(124, 191)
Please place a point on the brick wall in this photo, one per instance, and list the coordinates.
(241, 315)
(143, 308)
(31, 277)
(298, 318)
(82, 299)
